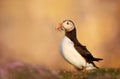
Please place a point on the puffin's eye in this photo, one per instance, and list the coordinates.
(67, 23)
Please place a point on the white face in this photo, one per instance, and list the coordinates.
(68, 25)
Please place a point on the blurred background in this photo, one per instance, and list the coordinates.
(27, 30)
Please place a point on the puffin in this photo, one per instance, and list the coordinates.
(73, 51)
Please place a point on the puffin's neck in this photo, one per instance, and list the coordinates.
(72, 36)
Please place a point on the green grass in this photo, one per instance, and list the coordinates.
(18, 70)
(96, 74)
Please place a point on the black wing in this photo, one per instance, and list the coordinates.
(84, 52)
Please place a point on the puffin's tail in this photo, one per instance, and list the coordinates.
(97, 59)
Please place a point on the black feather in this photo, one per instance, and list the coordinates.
(82, 50)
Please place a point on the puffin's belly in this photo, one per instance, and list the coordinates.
(68, 51)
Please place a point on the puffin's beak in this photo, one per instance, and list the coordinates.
(59, 26)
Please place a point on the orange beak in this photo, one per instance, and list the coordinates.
(59, 26)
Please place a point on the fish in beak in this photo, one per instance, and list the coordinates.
(59, 27)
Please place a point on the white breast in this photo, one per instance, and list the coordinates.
(68, 51)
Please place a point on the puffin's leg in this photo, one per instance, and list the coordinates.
(83, 68)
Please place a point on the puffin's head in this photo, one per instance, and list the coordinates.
(66, 25)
